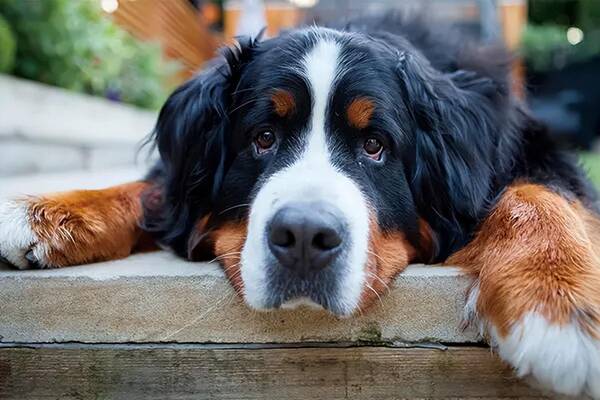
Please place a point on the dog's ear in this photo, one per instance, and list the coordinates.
(450, 171)
(193, 139)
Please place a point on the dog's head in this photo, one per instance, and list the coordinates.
(318, 164)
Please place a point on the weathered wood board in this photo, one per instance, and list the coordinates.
(182, 371)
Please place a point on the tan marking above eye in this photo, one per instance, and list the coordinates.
(284, 102)
(359, 112)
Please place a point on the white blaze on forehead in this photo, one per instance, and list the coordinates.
(320, 66)
(311, 177)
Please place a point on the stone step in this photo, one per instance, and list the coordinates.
(156, 297)
(46, 113)
(45, 128)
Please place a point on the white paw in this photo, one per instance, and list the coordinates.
(19, 245)
(561, 358)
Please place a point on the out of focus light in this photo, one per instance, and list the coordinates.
(574, 35)
(109, 6)
(305, 3)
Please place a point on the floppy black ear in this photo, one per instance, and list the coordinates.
(193, 140)
(454, 116)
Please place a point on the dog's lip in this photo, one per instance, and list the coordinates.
(301, 301)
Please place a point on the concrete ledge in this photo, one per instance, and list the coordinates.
(47, 113)
(156, 297)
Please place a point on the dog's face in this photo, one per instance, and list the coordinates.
(320, 162)
(297, 157)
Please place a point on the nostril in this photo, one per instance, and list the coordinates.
(283, 238)
(326, 240)
(290, 239)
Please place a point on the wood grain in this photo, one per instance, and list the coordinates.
(204, 372)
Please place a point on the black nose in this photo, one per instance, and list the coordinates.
(306, 237)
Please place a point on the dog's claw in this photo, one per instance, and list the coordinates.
(33, 262)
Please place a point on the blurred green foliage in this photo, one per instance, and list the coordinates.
(591, 163)
(582, 13)
(71, 44)
(546, 47)
(557, 12)
(7, 47)
(544, 43)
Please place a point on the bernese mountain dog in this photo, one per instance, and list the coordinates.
(318, 164)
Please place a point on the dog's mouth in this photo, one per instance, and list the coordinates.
(320, 290)
(309, 254)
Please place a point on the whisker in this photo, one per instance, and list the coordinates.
(225, 255)
(230, 253)
(376, 294)
(231, 258)
(374, 275)
(234, 207)
(244, 104)
(360, 311)
(231, 267)
(242, 90)
(235, 274)
(385, 285)
(376, 255)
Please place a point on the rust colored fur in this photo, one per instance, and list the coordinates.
(389, 254)
(535, 252)
(85, 226)
(228, 243)
(284, 102)
(359, 112)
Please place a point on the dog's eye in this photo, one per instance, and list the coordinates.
(264, 141)
(373, 148)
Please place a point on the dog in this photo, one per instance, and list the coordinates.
(318, 164)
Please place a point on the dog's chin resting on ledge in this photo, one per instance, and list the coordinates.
(317, 164)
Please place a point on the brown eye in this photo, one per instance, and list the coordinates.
(264, 141)
(373, 148)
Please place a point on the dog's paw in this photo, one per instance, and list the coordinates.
(19, 244)
(563, 358)
(70, 228)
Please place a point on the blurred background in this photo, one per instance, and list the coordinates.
(81, 80)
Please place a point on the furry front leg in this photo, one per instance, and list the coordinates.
(537, 287)
(71, 228)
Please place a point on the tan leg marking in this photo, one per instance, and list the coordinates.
(536, 252)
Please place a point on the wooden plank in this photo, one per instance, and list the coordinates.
(205, 372)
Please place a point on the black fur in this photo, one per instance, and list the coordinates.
(193, 141)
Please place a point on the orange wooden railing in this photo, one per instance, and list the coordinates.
(180, 29)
